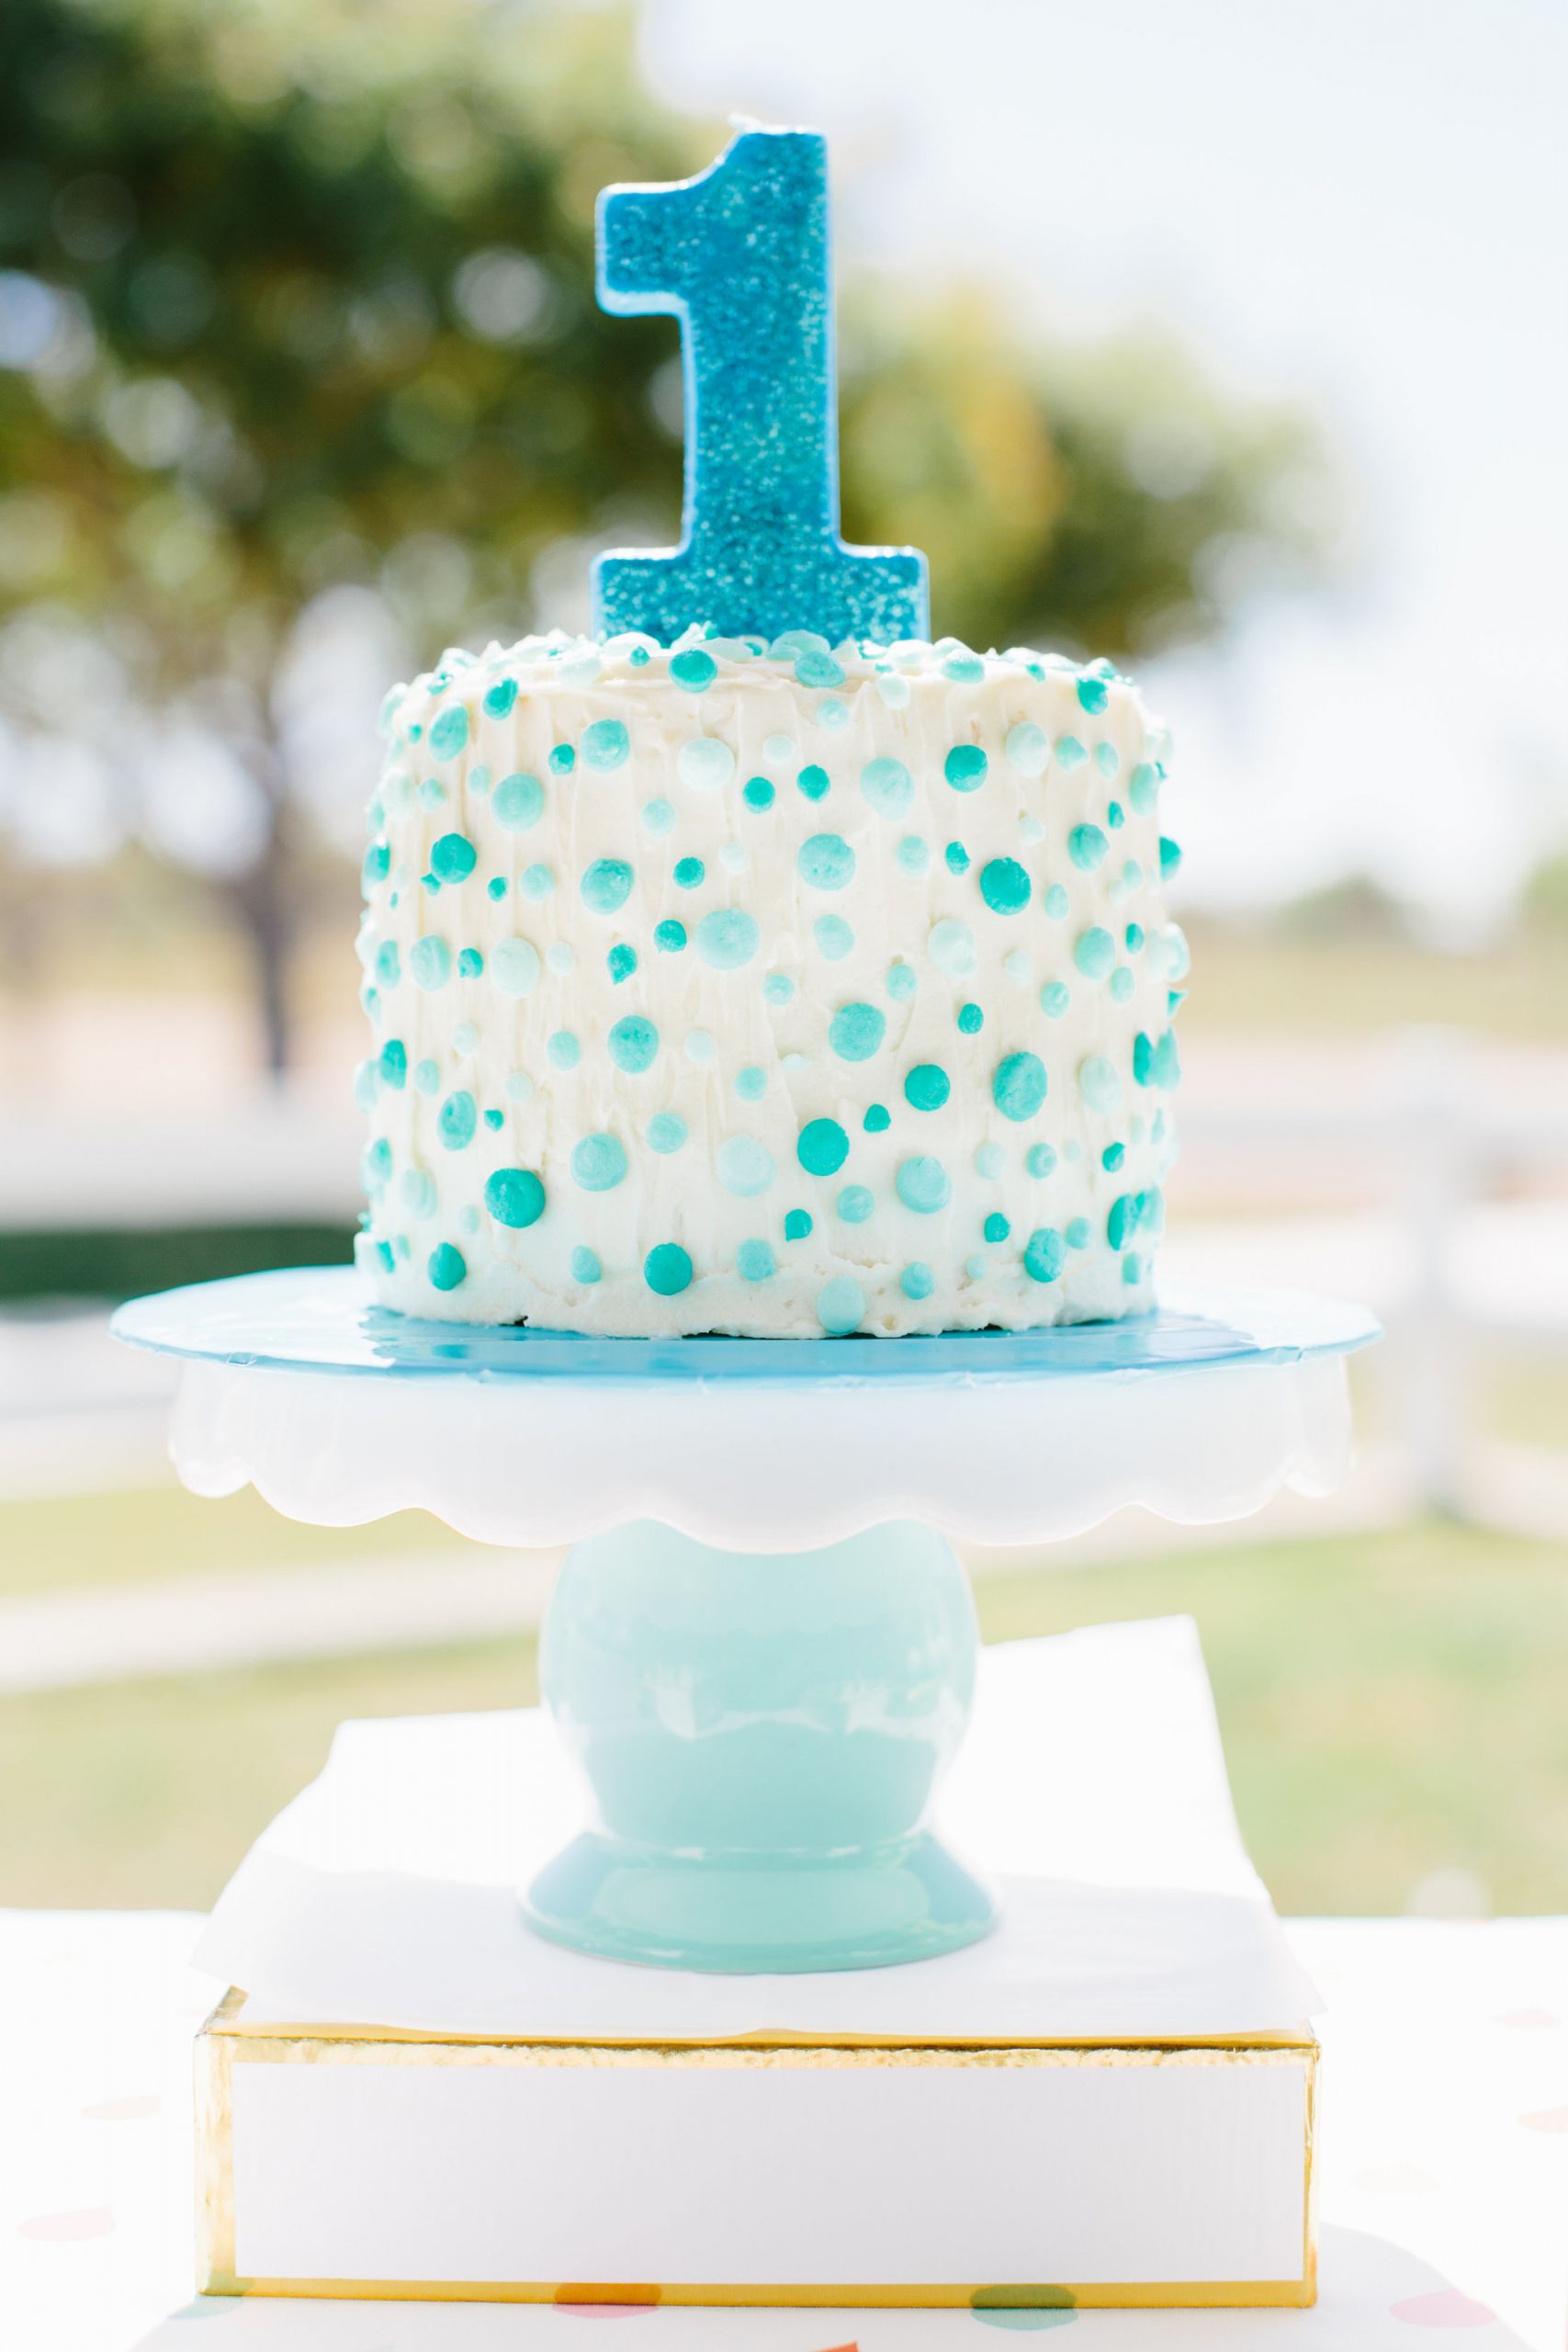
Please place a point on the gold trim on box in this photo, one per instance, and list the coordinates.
(225, 2038)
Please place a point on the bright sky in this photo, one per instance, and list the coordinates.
(1363, 202)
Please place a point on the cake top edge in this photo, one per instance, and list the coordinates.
(697, 662)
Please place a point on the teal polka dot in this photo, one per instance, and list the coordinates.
(914, 854)
(500, 698)
(990, 1159)
(1004, 886)
(426, 1077)
(667, 1131)
(917, 1280)
(1105, 760)
(564, 1049)
(670, 936)
(605, 745)
(495, 1121)
(887, 786)
(514, 967)
(1087, 846)
(470, 966)
(393, 1064)
(1028, 747)
(514, 1196)
(456, 1119)
(855, 1203)
(1110, 1158)
(997, 1228)
(1057, 903)
(964, 668)
(1077, 1235)
(607, 885)
(964, 767)
(538, 882)
(693, 670)
(745, 1167)
(797, 1224)
(518, 802)
(927, 1087)
(496, 886)
(813, 781)
(856, 1032)
(755, 1261)
(562, 759)
(1097, 1083)
(956, 857)
(1094, 952)
(1122, 985)
(1018, 1086)
(446, 1266)
(1143, 787)
(757, 792)
(1169, 858)
(449, 733)
(1069, 753)
(1040, 1159)
(923, 1184)
(376, 1167)
(585, 1266)
(1043, 1255)
(727, 939)
(952, 947)
(633, 1043)
(1133, 938)
(751, 1083)
(666, 1269)
(598, 1163)
(971, 1020)
(840, 1306)
(777, 988)
(826, 862)
(833, 936)
(453, 857)
(823, 1147)
(418, 1190)
(389, 965)
(1055, 999)
(815, 668)
(877, 1120)
(689, 874)
(658, 818)
(705, 764)
(430, 963)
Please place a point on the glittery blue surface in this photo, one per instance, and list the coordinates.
(740, 256)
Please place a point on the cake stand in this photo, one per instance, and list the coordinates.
(762, 1647)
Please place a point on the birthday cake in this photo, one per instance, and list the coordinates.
(778, 990)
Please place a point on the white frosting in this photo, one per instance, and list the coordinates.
(750, 1014)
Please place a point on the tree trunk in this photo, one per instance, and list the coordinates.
(263, 900)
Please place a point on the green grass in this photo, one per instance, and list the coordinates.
(59, 1543)
(1391, 1704)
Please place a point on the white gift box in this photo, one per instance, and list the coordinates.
(1109, 2100)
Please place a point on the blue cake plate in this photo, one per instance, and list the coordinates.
(322, 1319)
(761, 1647)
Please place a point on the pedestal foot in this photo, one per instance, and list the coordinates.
(763, 1734)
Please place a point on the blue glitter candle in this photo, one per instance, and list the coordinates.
(740, 256)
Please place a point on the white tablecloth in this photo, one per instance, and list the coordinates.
(1443, 2174)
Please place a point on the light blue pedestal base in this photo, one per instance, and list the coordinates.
(763, 1734)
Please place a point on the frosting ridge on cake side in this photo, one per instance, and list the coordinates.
(781, 989)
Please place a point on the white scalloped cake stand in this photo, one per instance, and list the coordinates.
(762, 1647)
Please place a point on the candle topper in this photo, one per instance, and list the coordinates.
(740, 256)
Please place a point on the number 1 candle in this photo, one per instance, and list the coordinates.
(740, 256)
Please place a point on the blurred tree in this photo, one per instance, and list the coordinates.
(295, 293)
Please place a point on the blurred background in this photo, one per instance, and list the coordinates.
(1225, 341)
